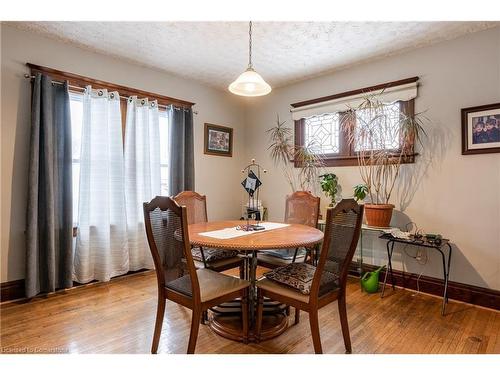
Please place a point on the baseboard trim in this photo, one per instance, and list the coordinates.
(11, 290)
(14, 290)
(475, 295)
(490, 298)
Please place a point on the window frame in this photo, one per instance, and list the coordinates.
(77, 84)
(163, 165)
(346, 155)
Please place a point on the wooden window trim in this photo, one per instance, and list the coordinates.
(124, 91)
(355, 92)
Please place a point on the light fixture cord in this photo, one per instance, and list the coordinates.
(250, 46)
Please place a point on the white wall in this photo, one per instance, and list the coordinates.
(458, 196)
(217, 177)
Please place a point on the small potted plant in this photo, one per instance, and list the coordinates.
(360, 192)
(330, 185)
(380, 165)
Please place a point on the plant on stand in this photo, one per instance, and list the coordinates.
(372, 128)
(360, 192)
(330, 185)
(285, 154)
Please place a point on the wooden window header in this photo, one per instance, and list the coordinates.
(82, 82)
(355, 92)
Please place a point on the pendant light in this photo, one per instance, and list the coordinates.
(250, 83)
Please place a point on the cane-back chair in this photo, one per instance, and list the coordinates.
(214, 259)
(178, 279)
(309, 288)
(301, 207)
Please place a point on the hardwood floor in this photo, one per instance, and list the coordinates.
(118, 317)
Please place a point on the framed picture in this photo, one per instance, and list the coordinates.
(481, 129)
(218, 140)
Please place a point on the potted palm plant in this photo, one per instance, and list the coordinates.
(377, 125)
(284, 153)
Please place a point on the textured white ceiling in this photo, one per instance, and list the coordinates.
(215, 53)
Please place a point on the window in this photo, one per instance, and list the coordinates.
(385, 135)
(322, 133)
(328, 133)
(76, 108)
(164, 152)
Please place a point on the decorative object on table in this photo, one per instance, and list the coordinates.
(252, 184)
(250, 83)
(218, 140)
(369, 281)
(329, 183)
(379, 165)
(481, 129)
(398, 233)
(435, 239)
(360, 192)
(257, 211)
(286, 155)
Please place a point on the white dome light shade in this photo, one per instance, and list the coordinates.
(250, 83)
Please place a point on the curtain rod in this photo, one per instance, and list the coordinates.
(27, 76)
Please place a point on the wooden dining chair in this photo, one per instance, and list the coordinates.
(214, 259)
(301, 207)
(309, 288)
(196, 289)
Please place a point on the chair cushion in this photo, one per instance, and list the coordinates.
(212, 284)
(267, 260)
(282, 290)
(286, 254)
(211, 254)
(299, 276)
(222, 263)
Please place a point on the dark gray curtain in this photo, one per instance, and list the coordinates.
(181, 175)
(49, 250)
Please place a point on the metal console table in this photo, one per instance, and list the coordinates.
(364, 228)
(445, 243)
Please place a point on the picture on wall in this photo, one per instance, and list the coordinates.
(218, 140)
(481, 129)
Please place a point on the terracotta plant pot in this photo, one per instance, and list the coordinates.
(378, 215)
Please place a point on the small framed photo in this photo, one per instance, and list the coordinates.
(218, 140)
(481, 129)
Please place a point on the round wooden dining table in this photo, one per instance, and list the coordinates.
(226, 319)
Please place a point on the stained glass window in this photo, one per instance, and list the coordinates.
(322, 133)
(381, 130)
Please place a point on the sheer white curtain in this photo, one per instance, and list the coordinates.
(101, 245)
(142, 174)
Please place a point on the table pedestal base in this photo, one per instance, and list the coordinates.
(225, 320)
